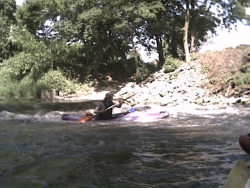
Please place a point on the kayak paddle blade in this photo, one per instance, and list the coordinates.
(86, 119)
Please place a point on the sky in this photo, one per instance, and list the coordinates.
(19, 2)
(227, 38)
(224, 39)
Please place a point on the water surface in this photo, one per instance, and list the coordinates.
(196, 149)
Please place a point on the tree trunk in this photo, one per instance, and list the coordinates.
(193, 47)
(185, 35)
(137, 72)
(173, 46)
(194, 14)
(160, 51)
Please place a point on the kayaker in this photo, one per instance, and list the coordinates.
(100, 110)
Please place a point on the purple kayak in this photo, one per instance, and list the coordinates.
(135, 116)
(145, 116)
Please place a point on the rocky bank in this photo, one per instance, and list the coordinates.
(181, 87)
(200, 83)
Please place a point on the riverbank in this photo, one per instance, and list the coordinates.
(209, 80)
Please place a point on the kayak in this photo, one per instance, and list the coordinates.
(135, 117)
(244, 141)
(145, 116)
(238, 176)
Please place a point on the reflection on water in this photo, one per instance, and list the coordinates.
(185, 150)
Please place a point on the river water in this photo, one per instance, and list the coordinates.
(195, 148)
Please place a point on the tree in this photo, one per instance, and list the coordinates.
(185, 32)
(160, 28)
(207, 15)
(104, 31)
(86, 36)
(200, 12)
(7, 19)
(32, 15)
(138, 19)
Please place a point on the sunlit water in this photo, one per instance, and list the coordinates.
(196, 149)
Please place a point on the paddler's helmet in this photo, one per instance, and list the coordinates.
(109, 94)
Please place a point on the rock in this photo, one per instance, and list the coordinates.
(183, 89)
(185, 86)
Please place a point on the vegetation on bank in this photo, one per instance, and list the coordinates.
(228, 70)
(68, 45)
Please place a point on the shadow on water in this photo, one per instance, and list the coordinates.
(118, 155)
(34, 106)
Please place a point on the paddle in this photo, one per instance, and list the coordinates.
(89, 116)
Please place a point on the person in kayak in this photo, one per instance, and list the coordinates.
(101, 109)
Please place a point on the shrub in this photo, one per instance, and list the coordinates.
(242, 79)
(171, 64)
(145, 70)
(27, 88)
(205, 69)
(8, 91)
(54, 79)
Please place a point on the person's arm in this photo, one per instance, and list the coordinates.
(121, 101)
(96, 111)
(100, 108)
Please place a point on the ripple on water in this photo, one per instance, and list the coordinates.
(185, 150)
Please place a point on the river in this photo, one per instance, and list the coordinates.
(197, 148)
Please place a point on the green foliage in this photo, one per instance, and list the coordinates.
(205, 69)
(8, 90)
(233, 11)
(35, 58)
(26, 88)
(32, 15)
(243, 76)
(242, 79)
(71, 60)
(89, 38)
(54, 79)
(171, 64)
(245, 65)
(118, 70)
(146, 70)
(7, 18)
(19, 66)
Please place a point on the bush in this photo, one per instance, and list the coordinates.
(54, 79)
(171, 64)
(8, 91)
(242, 79)
(26, 88)
(145, 70)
